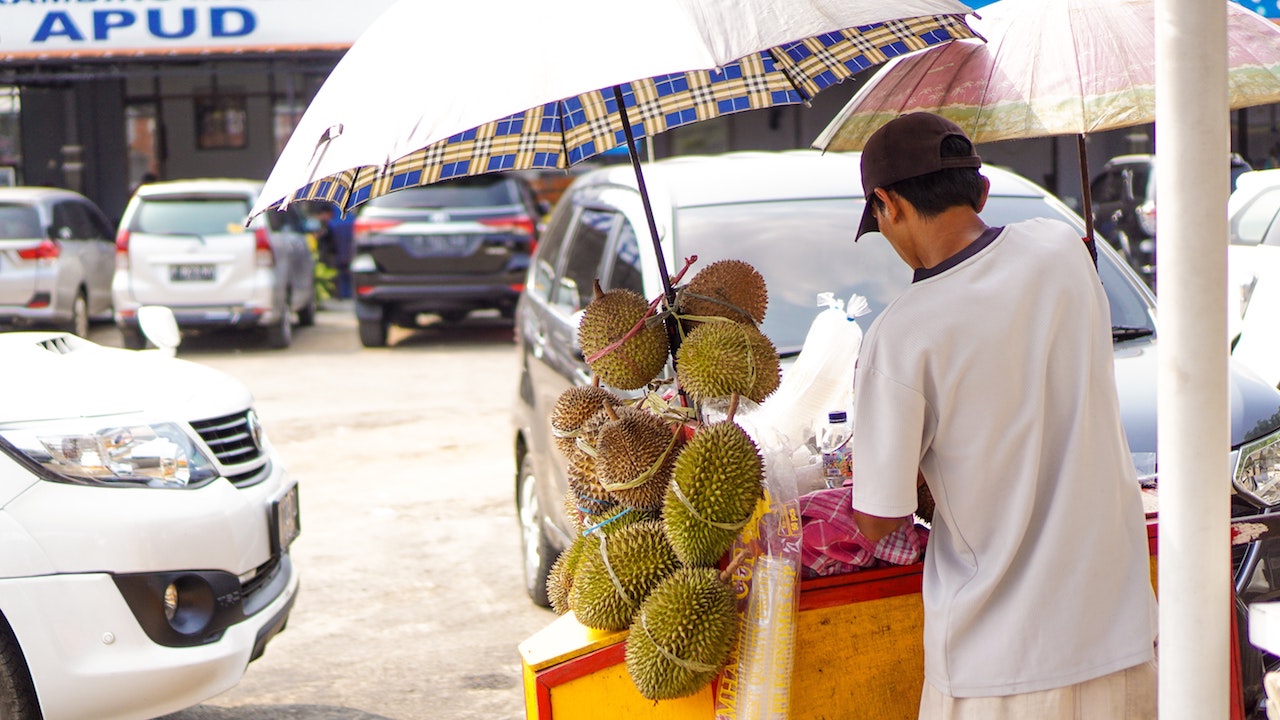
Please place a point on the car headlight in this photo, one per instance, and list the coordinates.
(98, 452)
(1257, 473)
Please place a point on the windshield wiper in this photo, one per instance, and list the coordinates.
(1123, 332)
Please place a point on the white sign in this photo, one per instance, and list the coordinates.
(105, 28)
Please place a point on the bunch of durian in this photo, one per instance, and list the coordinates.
(659, 497)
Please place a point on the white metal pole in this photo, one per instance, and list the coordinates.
(1192, 146)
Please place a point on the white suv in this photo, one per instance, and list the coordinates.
(145, 522)
(184, 244)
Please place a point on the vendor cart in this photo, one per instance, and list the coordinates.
(858, 655)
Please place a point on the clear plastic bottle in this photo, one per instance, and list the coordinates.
(833, 443)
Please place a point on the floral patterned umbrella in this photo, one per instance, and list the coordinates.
(1050, 67)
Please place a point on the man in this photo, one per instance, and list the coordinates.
(991, 379)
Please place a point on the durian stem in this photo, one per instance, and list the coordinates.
(733, 406)
(737, 559)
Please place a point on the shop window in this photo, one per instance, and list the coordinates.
(221, 122)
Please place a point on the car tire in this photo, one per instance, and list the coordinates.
(280, 333)
(374, 331)
(536, 549)
(307, 315)
(132, 339)
(79, 322)
(17, 692)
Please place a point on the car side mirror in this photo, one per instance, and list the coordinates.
(160, 327)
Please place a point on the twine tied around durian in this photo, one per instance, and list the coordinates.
(650, 316)
(649, 472)
(675, 488)
(588, 530)
(617, 584)
(690, 665)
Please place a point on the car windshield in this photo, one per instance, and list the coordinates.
(480, 191)
(805, 247)
(191, 215)
(19, 222)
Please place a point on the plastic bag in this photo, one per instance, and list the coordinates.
(756, 684)
(821, 379)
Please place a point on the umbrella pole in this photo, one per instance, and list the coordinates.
(644, 196)
(1087, 201)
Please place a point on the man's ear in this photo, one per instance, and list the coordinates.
(893, 204)
(986, 190)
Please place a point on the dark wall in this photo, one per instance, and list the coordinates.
(73, 136)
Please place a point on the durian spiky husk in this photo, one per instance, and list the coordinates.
(689, 616)
(637, 448)
(560, 578)
(719, 359)
(730, 289)
(638, 360)
(617, 572)
(573, 408)
(720, 474)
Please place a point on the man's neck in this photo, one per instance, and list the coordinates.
(945, 235)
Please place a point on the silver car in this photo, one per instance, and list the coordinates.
(56, 259)
(184, 244)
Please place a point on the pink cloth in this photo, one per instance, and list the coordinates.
(831, 543)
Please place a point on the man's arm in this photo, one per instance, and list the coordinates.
(876, 528)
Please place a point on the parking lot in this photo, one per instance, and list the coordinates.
(412, 604)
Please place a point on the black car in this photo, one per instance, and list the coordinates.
(446, 249)
(1123, 196)
(792, 216)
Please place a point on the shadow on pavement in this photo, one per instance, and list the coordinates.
(272, 712)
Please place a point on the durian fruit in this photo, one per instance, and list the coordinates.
(588, 529)
(608, 318)
(560, 578)
(634, 457)
(573, 408)
(582, 454)
(586, 490)
(682, 635)
(719, 359)
(718, 479)
(730, 289)
(617, 571)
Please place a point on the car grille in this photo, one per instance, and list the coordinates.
(231, 439)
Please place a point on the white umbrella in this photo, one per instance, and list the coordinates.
(434, 90)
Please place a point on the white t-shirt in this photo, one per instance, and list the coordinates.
(995, 377)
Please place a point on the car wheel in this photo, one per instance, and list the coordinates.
(307, 315)
(132, 338)
(79, 322)
(373, 332)
(17, 692)
(539, 554)
(280, 334)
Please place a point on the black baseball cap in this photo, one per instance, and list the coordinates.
(907, 146)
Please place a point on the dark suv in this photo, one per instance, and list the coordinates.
(792, 216)
(445, 249)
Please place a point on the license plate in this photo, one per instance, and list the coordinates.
(286, 523)
(442, 245)
(191, 273)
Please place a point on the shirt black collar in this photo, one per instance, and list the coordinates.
(986, 238)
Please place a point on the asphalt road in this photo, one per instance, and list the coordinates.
(412, 603)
